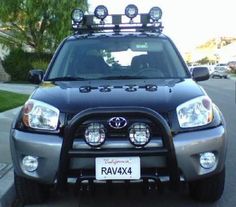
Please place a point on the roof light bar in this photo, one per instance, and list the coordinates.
(77, 15)
(101, 12)
(131, 11)
(87, 23)
(155, 14)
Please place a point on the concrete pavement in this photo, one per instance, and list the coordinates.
(18, 88)
(5, 125)
(7, 190)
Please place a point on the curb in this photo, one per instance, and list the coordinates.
(7, 189)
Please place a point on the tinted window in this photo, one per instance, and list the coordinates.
(108, 57)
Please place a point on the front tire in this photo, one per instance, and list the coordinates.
(29, 191)
(208, 189)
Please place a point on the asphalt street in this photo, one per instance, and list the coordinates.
(223, 93)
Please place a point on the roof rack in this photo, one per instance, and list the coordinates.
(131, 20)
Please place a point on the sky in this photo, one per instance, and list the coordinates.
(187, 22)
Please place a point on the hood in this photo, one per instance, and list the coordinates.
(160, 95)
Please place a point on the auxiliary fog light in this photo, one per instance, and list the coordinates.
(77, 15)
(131, 11)
(95, 134)
(101, 12)
(207, 160)
(139, 134)
(30, 163)
(155, 13)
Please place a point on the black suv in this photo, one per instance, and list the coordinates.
(118, 103)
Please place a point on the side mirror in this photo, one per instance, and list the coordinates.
(35, 76)
(200, 73)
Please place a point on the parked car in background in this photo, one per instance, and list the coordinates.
(222, 65)
(221, 71)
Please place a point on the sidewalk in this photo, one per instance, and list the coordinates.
(18, 88)
(5, 125)
(7, 191)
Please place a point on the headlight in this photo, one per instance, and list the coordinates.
(39, 115)
(139, 134)
(95, 134)
(196, 112)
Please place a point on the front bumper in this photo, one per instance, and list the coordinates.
(187, 146)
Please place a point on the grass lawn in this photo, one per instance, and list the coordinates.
(9, 100)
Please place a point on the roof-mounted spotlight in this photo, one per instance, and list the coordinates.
(101, 12)
(155, 14)
(131, 11)
(77, 15)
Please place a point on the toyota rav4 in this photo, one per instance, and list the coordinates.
(117, 102)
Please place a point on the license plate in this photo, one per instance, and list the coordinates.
(117, 168)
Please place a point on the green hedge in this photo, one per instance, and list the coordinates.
(18, 63)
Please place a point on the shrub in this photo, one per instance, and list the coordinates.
(18, 63)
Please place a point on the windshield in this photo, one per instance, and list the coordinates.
(117, 58)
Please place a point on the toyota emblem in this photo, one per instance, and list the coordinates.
(117, 122)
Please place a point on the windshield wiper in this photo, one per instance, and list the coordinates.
(66, 78)
(125, 77)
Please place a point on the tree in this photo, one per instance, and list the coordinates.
(204, 61)
(40, 24)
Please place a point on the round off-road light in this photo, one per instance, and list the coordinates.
(77, 15)
(101, 12)
(95, 134)
(131, 11)
(139, 134)
(30, 163)
(207, 160)
(155, 13)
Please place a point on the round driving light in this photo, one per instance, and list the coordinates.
(131, 11)
(30, 163)
(155, 13)
(77, 15)
(207, 160)
(101, 12)
(139, 134)
(95, 134)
